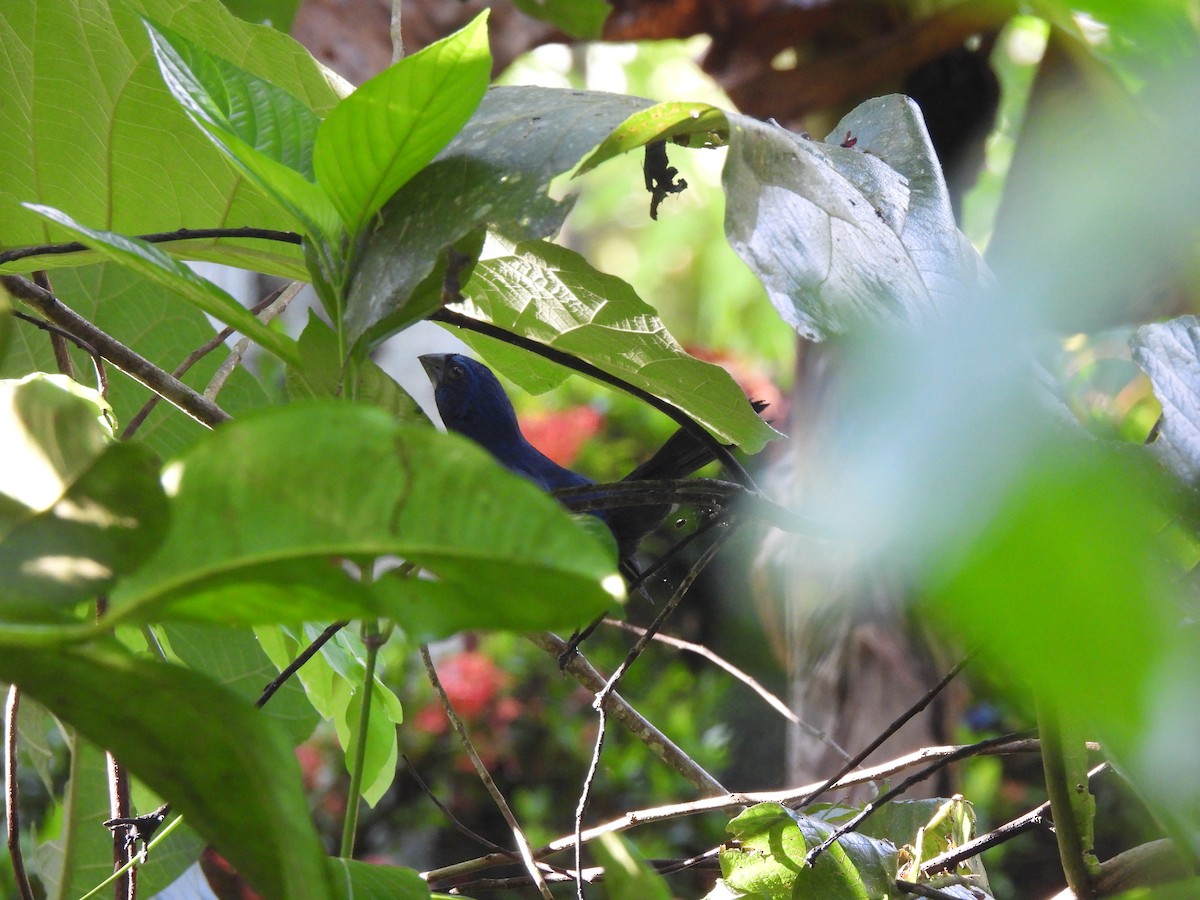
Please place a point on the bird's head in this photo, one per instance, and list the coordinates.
(470, 399)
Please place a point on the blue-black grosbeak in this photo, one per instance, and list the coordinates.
(472, 403)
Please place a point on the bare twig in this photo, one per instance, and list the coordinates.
(97, 359)
(294, 666)
(745, 678)
(887, 733)
(12, 815)
(278, 303)
(498, 798)
(132, 364)
(458, 824)
(923, 890)
(662, 746)
(192, 358)
(1035, 818)
(876, 804)
(161, 237)
(729, 801)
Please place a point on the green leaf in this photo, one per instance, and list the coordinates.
(320, 375)
(552, 295)
(265, 131)
(1169, 352)
(155, 264)
(578, 18)
(262, 508)
(673, 119)
(226, 768)
(769, 858)
(354, 880)
(393, 125)
(137, 312)
(104, 138)
(496, 172)
(79, 856)
(234, 658)
(276, 13)
(626, 874)
(866, 242)
(76, 510)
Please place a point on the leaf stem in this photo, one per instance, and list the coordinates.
(372, 640)
(1069, 800)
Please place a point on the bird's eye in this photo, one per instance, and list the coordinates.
(456, 371)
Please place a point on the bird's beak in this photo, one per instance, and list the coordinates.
(434, 364)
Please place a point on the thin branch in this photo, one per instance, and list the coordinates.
(641, 728)
(161, 237)
(923, 890)
(294, 666)
(720, 451)
(887, 732)
(457, 823)
(598, 704)
(744, 677)
(192, 358)
(132, 364)
(278, 303)
(97, 359)
(877, 804)
(655, 492)
(498, 798)
(12, 814)
(729, 801)
(1035, 818)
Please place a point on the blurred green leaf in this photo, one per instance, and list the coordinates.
(354, 880)
(246, 544)
(1169, 352)
(226, 768)
(496, 171)
(155, 264)
(626, 875)
(673, 119)
(867, 243)
(553, 296)
(276, 13)
(578, 18)
(393, 125)
(107, 521)
(79, 856)
(264, 131)
(321, 375)
(106, 140)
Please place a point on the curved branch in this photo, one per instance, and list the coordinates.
(132, 364)
(158, 237)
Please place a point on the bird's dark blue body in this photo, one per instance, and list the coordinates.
(472, 403)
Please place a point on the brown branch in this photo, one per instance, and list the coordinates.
(485, 776)
(12, 813)
(731, 801)
(97, 359)
(745, 678)
(160, 237)
(132, 364)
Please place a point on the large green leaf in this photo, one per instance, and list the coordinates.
(226, 768)
(103, 138)
(552, 295)
(262, 507)
(393, 125)
(354, 880)
(76, 511)
(266, 132)
(677, 120)
(155, 264)
(844, 236)
(136, 312)
(496, 172)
